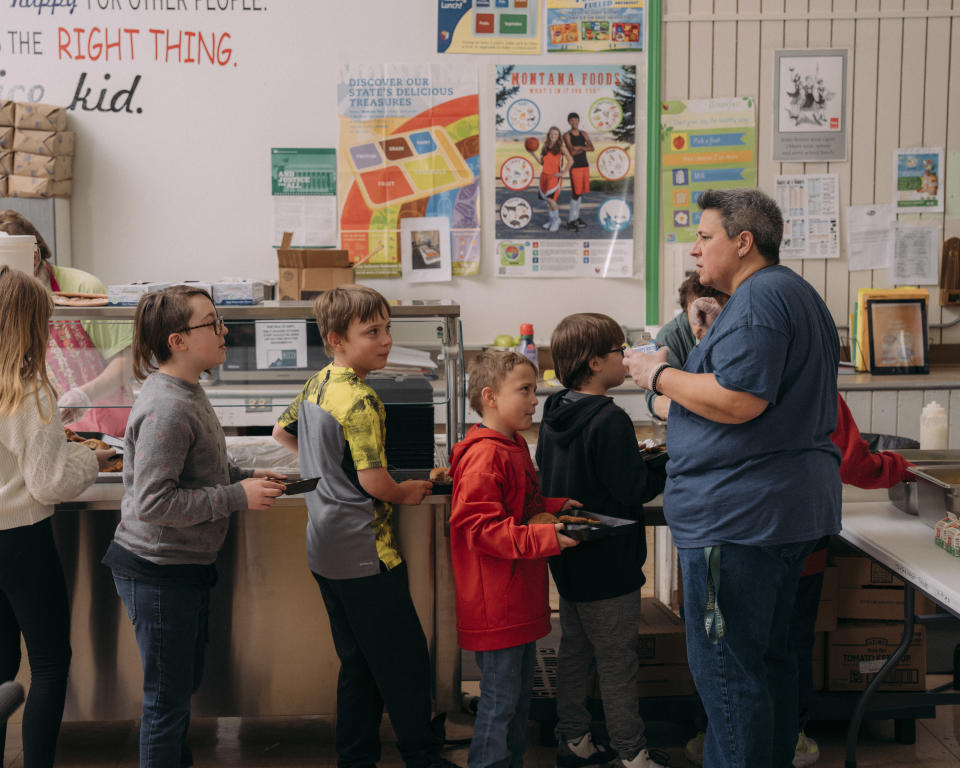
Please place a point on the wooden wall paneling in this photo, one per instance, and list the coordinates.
(794, 36)
(909, 405)
(951, 222)
(724, 51)
(889, 88)
(771, 38)
(701, 51)
(883, 412)
(837, 272)
(859, 401)
(936, 87)
(864, 128)
(953, 431)
(749, 55)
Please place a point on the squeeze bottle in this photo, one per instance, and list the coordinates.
(526, 347)
(933, 427)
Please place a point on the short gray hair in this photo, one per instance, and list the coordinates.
(748, 210)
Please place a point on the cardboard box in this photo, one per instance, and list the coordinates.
(310, 269)
(128, 294)
(57, 167)
(6, 137)
(6, 162)
(665, 680)
(44, 142)
(238, 292)
(663, 638)
(877, 604)
(6, 113)
(863, 572)
(3, 186)
(28, 186)
(856, 651)
(826, 616)
(29, 116)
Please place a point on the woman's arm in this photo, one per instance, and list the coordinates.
(702, 394)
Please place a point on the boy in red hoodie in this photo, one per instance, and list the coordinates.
(499, 562)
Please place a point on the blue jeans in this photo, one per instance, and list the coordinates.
(506, 683)
(170, 623)
(748, 678)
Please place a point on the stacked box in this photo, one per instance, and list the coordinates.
(43, 162)
(663, 652)
(307, 271)
(857, 651)
(868, 591)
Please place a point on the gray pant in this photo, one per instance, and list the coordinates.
(601, 635)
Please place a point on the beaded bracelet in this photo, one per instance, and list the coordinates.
(655, 376)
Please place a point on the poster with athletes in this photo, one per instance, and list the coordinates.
(409, 148)
(565, 164)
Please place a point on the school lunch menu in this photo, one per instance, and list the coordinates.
(576, 25)
(477, 26)
(407, 166)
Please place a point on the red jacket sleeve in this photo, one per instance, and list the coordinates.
(489, 529)
(858, 466)
(553, 505)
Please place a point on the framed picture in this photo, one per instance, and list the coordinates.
(898, 335)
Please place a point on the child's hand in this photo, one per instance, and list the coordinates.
(261, 492)
(269, 474)
(562, 540)
(105, 457)
(571, 504)
(414, 491)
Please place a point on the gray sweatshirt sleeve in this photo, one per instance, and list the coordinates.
(237, 474)
(160, 498)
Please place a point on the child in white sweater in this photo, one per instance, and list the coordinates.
(38, 468)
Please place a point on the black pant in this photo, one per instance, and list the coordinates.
(802, 622)
(383, 662)
(33, 600)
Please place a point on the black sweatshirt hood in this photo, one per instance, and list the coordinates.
(565, 419)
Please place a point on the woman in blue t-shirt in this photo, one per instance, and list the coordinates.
(753, 479)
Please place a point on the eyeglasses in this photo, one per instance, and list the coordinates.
(218, 325)
(621, 349)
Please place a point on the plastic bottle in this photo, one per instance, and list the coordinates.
(526, 347)
(933, 427)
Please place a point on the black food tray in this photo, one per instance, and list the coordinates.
(441, 489)
(608, 526)
(293, 487)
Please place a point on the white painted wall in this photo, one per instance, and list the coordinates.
(181, 190)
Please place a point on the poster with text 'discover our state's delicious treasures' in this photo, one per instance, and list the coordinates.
(409, 148)
(565, 164)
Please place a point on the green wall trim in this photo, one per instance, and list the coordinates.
(652, 244)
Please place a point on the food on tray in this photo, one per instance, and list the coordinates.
(66, 299)
(542, 518)
(578, 520)
(95, 445)
(441, 475)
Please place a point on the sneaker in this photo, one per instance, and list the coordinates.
(580, 223)
(694, 749)
(641, 760)
(547, 224)
(582, 751)
(807, 752)
(572, 226)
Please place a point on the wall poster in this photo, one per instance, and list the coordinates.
(303, 184)
(704, 144)
(409, 147)
(810, 205)
(586, 25)
(810, 105)
(488, 26)
(565, 165)
(916, 184)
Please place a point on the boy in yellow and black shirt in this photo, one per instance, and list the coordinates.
(337, 425)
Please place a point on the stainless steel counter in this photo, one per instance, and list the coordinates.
(270, 651)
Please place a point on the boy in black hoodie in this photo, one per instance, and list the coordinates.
(587, 449)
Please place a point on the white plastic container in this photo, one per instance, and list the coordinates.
(933, 427)
(16, 251)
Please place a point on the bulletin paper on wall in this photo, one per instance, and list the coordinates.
(704, 144)
(409, 148)
(810, 105)
(488, 26)
(303, 182)
(588, 25)
(811, 216)
(582, 232)
(918, 186)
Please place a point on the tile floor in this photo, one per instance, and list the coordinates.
(308, 741)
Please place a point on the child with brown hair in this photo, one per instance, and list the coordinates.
(337, 424)
(180, 490)
(587, 448)
(499, 561)
(38, 468)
